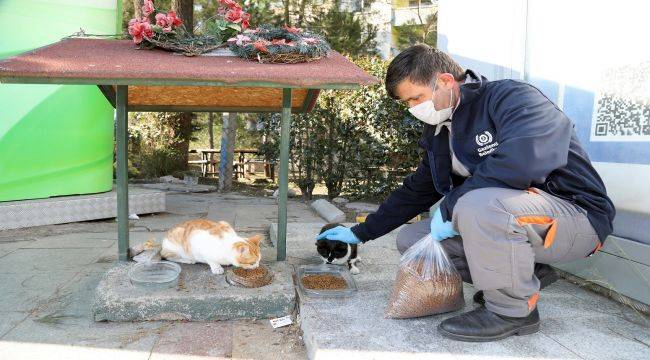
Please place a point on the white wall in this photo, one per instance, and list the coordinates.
(580, 53)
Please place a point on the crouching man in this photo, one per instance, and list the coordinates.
(517, 190)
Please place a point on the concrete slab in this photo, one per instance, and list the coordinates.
(200, 296)
(327, 211)
(362, 206)
(184, 188)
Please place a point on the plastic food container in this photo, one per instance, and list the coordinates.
(325, 269)
(155, 275)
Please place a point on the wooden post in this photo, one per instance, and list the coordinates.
(228, 139)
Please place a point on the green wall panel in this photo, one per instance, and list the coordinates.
(54, 140)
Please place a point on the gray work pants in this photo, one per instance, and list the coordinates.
(503, 233)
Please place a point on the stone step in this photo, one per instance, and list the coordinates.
(199, 296)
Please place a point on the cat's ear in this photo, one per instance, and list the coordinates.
(255, 239)
(240, 247)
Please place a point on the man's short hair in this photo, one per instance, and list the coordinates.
(419, 63)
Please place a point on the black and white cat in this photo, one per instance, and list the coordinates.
(337, 252)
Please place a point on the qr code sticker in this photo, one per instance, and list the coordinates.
(622, 108)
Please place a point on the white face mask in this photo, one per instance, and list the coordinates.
(427, 112)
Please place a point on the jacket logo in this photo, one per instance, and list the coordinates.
(483, 138)
(484, 141)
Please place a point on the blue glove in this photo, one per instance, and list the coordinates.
(340, 233)
(441, 230)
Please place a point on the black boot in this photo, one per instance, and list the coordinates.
(481, 325)
(546, 275)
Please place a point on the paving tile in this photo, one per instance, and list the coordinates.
(7, 247)
(81, 331)
(257, 339)
(72, 300)
(48, 260)
(212, 339)
(76, 240)
(38, 351)
(187, 205)
(9, 320)
(24, 291)
(598, 337)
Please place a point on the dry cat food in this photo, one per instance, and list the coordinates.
(257, 277)
(324, 282)
(427, 283)
(413, 296)
(258, 272)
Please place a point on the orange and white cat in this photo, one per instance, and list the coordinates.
(213, 243)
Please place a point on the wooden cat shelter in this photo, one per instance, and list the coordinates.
(155, 80)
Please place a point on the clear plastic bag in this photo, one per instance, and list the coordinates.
(427, 283)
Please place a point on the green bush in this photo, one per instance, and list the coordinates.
(153, 143)
(158, 162)
(358, 142)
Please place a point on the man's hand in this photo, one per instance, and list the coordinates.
(441, 230)
(340, 233)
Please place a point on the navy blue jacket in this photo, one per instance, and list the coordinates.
(508, 135)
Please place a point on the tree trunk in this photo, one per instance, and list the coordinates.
(301, 14)
(228, 139)
(287, 18)
(185, 11)
(137, 8)
(211, 129)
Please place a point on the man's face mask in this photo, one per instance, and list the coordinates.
(426, 111)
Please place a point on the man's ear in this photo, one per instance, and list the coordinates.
(447, 79)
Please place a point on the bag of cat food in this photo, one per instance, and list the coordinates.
(427, 283)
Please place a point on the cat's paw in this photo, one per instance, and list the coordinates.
(355, 270)
(216, 269)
